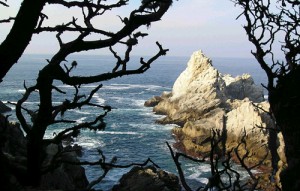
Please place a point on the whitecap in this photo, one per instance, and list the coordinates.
(156, 127)
(150, 113)
(81, 112)
(89, 143)
(128, 110)
(155, 87)
(111, 87)
(21, 90)
(169, 126)
(64, 86)
(37, 102)
(137, 93)
(197, 171)
(135, 102)
(200, 168)
(31, 102)
(114, 125)
(118, 132)
(80, 120)
(98, 99)
(89, 86)
(6, 102)
(138, 102)
(131, 86)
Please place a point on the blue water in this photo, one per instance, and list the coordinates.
(131, 133)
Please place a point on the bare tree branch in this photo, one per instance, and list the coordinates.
(76, 80)
(97, 124)
(7, 20)
(83, 4)
(19, 108)
(47, 112)
(4, 4)
(175, 157)
(106, 166)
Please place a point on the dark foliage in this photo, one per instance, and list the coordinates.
(29, 21)
(270, 23)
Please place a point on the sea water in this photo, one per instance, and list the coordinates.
(131, 133)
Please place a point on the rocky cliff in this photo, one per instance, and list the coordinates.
(13, 159)
(203, 99)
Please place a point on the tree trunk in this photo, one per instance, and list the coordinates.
(285, 105)
(290, 177)
(20, 34)
(35, 150)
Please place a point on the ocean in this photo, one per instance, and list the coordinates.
(131, 133)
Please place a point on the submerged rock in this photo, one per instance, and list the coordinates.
(148, 179)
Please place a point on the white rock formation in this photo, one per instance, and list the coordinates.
(200, 89)
(203, 99)
(198, 75)
(242, 87)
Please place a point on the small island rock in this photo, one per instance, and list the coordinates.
(148, 179)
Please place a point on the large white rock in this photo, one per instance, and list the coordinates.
(247, 117)
(203, 99)
(198, 78)
(200, 88)
(242, 87)
(201, 79)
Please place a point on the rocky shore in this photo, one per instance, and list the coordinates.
(203, 99)
(13, 163)
(13, 159)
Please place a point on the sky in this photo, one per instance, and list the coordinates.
(189, 25)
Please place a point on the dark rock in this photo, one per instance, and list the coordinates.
(66, 176)
(153, 101)
(13, 155)
(76, 148)
(148, 179)
(4, 108)
(13, 139)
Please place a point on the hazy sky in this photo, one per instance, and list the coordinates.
(188, 26)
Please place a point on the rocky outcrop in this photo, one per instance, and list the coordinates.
(4, 108)
(65, 176)
(203, 99)
(148, 179)
(13, 159)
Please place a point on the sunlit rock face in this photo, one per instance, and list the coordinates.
(201, 93)
(200, 78)
(203, 99)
